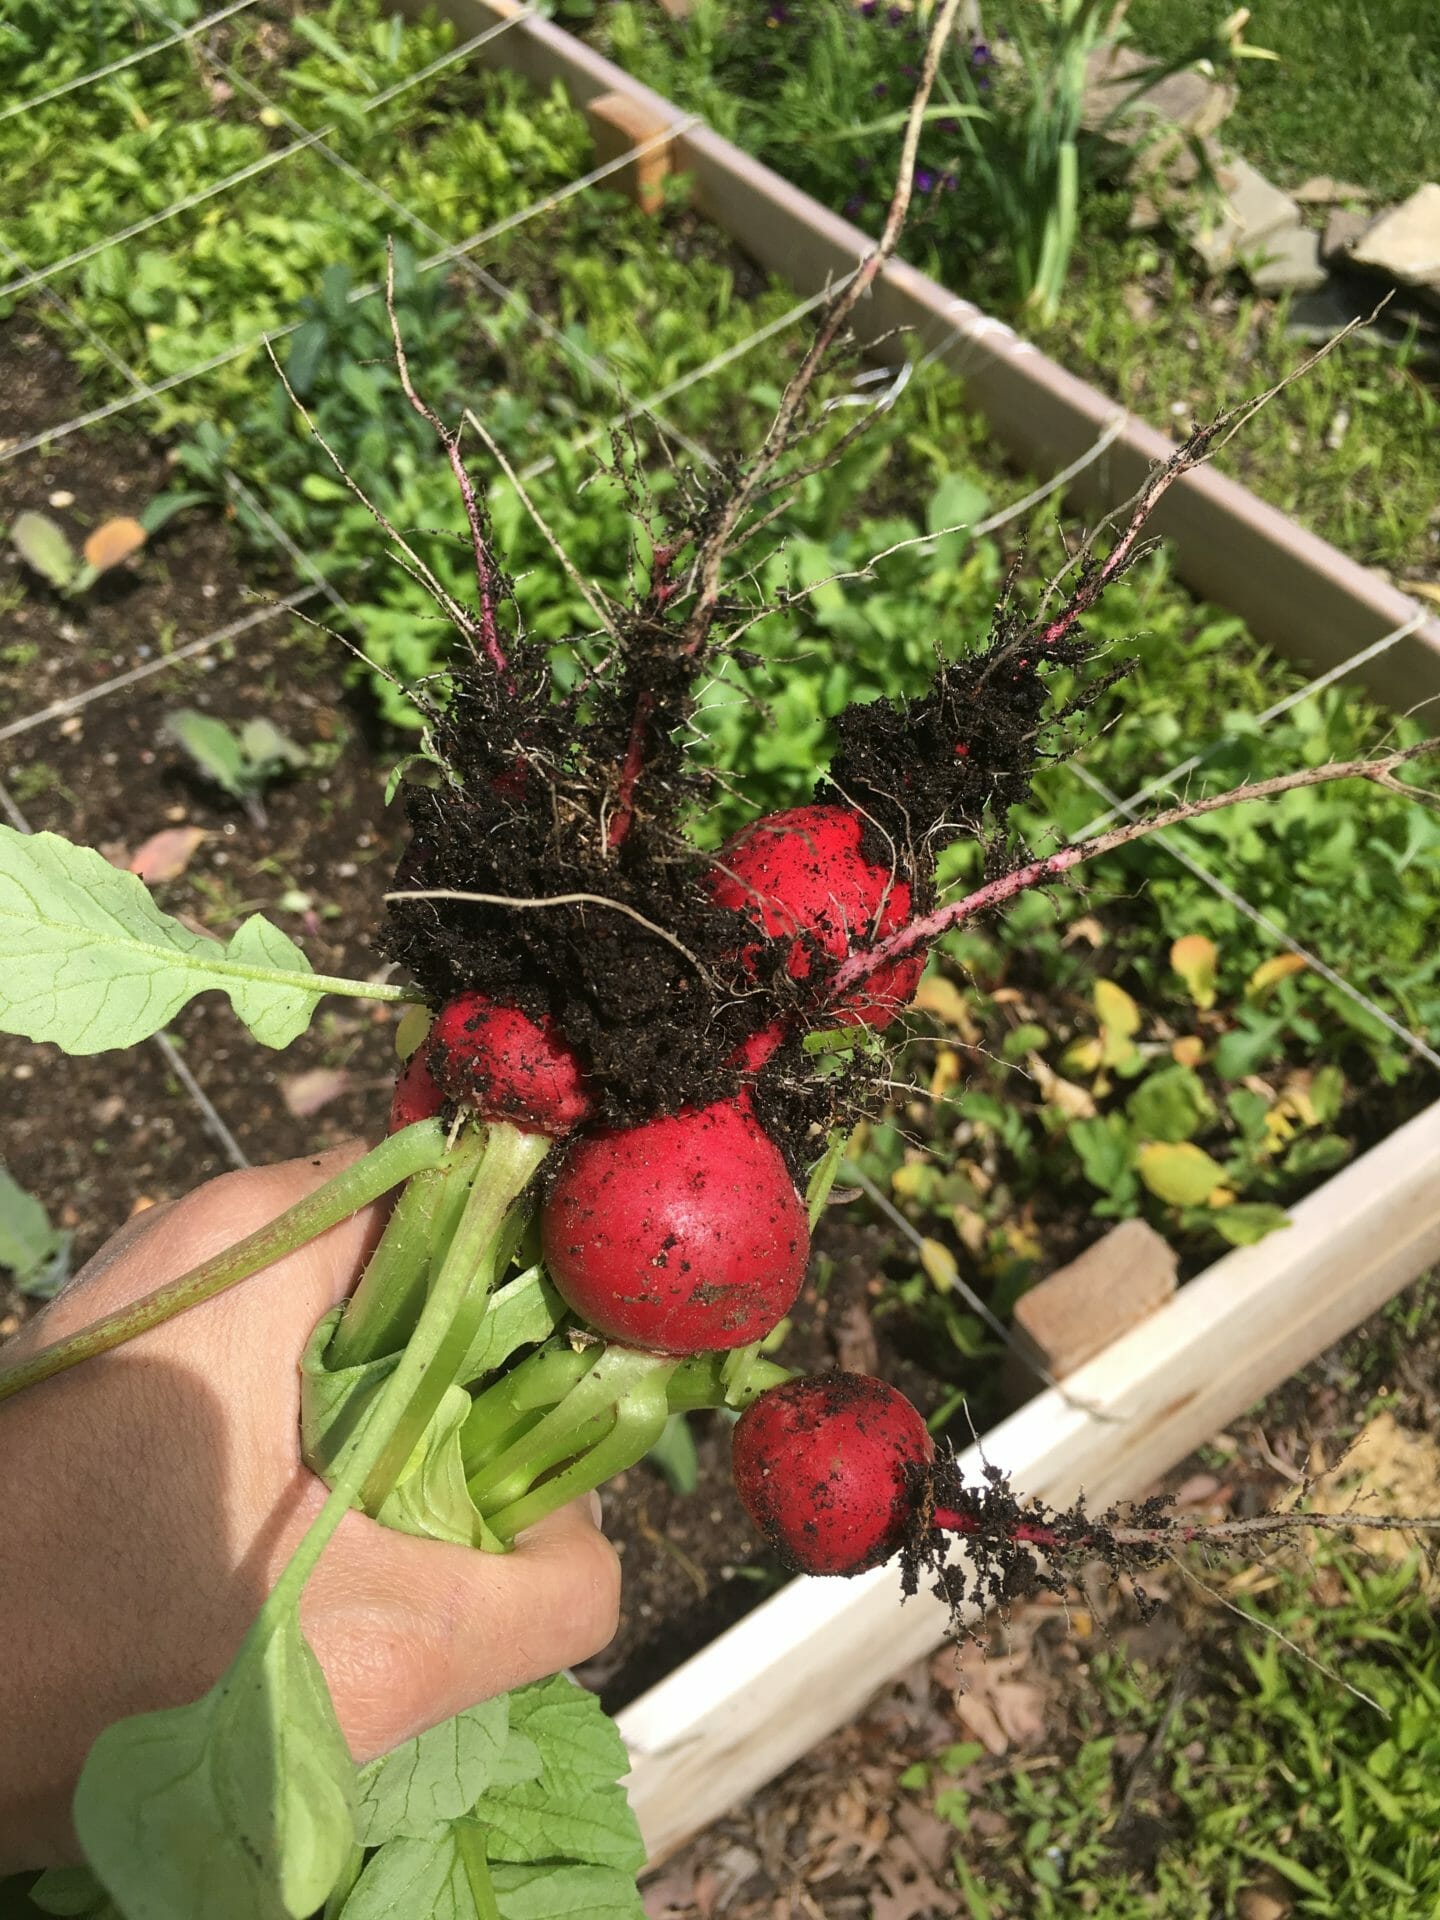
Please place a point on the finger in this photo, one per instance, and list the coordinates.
(151, 1251)
(412, 1631)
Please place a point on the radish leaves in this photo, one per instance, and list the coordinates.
(88, 961)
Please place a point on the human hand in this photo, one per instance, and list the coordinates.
(154, 1494)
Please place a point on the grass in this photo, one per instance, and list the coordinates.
(1353, 94)
(1259, 1770)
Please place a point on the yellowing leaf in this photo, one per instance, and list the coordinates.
(1188, 1050)
(1270, 972)
(1195, 958)
(1082, 1056)
(944, 999)
(114, 541)
(1115, 1009)
(911, 1179)
(947, 1073)
(1181, 1174)
(939, 1264)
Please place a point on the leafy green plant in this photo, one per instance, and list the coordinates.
(34, 1253)
(45, 547)
(242, 761)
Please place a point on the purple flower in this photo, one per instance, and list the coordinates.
(982, 84)
(778, 15)
(949, 124)
(879, 90)
(980, 54)
(894, 15)
(854, 206)
(867, 8)
(907, 72)
(949, 182)
(924, 180)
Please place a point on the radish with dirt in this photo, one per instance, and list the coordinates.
(597, 1158)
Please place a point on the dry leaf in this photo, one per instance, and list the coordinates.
(1389, 1470)
(1087, 927)
(114, 541)
(166, 855)
(306, 1093)
(947, 1073)
(1188, 1050)
(1270, 971)
(1073, 1101)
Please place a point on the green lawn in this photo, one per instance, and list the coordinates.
(1355, 92)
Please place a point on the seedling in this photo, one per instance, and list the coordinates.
(45, 547)
(34, 1253)
(241, 761)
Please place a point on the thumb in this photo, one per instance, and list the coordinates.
(411, 1631)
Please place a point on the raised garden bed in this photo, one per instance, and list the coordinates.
(82, 778)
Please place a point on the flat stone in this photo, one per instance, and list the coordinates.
(1405, 242)
(1078, 1311)
(1342, 230)
(1317, 317)
(1321, 191)
(1288, 262)
(1253, 210)
(1185, 100)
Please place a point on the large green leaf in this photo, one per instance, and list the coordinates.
(414, 1792)
(238, 1807)
(430, 1497)
(88, 961)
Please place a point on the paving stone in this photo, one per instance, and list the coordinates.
(1288, 262)
(1079, 1310)
(1342, 230)
(1254, 209)
(1405, 242)
(1185, 100)
(1321, 191)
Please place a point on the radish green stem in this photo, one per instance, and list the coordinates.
(640, 1415)
(384, 1307)
(460, 1291)
(554, 1439)
(518, 1401)
(384, 1167)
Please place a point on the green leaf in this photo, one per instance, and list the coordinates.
(414, 1792)
(240, 1806)
(522, 1313)
(74, 1892)
(165, 506)
(430, 1499)
(576, 1809)
(419, 1880)
(265, 746)
(43, 546)
(565, 1893)
(1183, 1174)
(1248, 1222)
(675, 1455)
(88, 961)
(214, 747)
(30, 1248)
(1106, 1150)
(1170, 1105)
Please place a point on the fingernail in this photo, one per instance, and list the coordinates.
(597, 1512)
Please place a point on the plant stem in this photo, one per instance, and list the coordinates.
(393, 1161)
(555, 1438)
(460, 1293)
(640, 1413)
(1034, 873)
(702, 1382)
(470, 1845)
(383, 1309)
(518, 1401)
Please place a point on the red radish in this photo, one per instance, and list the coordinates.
(757, 1048)
(820, 1464)
(683, 1235)
(505, 1066)
(802, 872)
(416, 1095)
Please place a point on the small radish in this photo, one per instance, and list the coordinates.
(802, 872)
(757, 1048)
(821, 1467)
(416, 1095)
(683, 1235)
(505, 1066)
